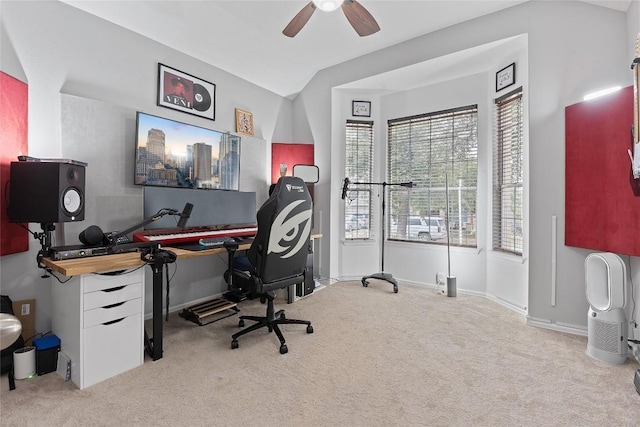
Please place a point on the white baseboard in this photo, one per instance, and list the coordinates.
(555, 326)
(508, 304)
(531, 321)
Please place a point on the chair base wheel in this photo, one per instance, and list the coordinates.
(271, 322)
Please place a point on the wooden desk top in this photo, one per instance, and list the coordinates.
(103, 263)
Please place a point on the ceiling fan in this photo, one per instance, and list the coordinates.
(359, 17)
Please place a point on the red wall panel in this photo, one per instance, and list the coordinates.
(602, 201)
(291, 154)
(13, 138)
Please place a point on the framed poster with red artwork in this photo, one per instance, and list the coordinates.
(183, 92)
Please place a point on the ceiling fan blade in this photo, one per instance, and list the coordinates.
(360, 18)
(299, 20)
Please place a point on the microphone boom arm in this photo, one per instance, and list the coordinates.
(409, 184)
(113, 239)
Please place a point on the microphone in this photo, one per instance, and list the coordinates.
(92, 236)
(345, 186)
(185, 215)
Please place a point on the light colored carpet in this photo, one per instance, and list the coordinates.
(376, 358)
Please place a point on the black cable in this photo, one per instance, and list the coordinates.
(33, 336)
(169, 279)
(175, 270)
(39, 335)
(52, 274)
(166, 270)
(19, 224)
(33, 233)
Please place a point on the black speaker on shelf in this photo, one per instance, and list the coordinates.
(46, 191)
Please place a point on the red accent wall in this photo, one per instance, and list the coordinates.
(602, 200)
(13, 137)
(291, 154)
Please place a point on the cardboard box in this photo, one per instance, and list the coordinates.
(25, 311)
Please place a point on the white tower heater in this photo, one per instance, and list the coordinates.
(606, 287)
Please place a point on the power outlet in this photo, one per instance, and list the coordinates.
(441, 279)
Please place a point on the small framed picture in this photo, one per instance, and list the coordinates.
(244, 122)
(361, 108)
(506, 77)
(184, 92)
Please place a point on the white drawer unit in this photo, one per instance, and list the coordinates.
(100, 321)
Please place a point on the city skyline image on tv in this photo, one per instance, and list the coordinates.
(175, 154)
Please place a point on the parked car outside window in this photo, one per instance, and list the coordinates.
(419, 228)
(356, 222)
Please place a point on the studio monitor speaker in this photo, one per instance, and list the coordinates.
(47, 191)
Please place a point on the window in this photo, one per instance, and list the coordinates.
(358, 168)
(508, 173)
(434, 150)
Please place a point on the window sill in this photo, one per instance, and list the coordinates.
(357, 242)
(516, 259)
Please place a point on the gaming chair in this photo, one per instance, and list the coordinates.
(278, 253)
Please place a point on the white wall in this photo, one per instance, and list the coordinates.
(478, 270)
(57, 49)
(417, 262)
(633, 27)
(560, 75)
(358, 257)
(508, 275)
(573, 48)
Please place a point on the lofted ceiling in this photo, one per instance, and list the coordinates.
(245, 37)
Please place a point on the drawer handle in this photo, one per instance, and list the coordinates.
(113, 321)
(112, 273)
(114, 305)
(117, 288)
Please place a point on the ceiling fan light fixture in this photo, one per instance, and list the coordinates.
(328, 5)
(360, 19)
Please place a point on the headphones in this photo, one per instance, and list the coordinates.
(167, 257)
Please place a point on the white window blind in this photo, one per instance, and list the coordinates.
(358, 168)
(508, 173)
(428, 150)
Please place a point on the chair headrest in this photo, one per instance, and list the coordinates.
(293, 210)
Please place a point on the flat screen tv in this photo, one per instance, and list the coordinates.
(176, 154)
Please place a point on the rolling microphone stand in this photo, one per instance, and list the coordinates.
(387, 277)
